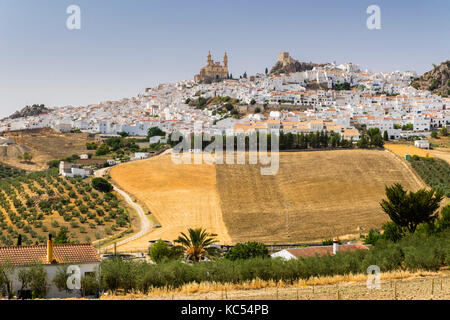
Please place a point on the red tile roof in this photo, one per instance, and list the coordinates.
(325, 250)
(62, 253)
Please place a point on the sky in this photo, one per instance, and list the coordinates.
(124, 47)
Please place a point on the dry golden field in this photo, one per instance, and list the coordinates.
(402, 149)
(180, 196)
(419, 285)
(330, 193)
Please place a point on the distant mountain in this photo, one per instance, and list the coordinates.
(436, 80)
(34, 110)
(286, 64)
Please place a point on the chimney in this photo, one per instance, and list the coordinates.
(49, 249)
(335, 246)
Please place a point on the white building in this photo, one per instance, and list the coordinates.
(423, 144)
(67, 169)
(141, 155)
(53, 258)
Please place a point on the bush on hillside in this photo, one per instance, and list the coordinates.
(102, 185)
(247, 250)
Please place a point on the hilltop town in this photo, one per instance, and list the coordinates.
(338, 97)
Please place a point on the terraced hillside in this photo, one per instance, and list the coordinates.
(329, 193)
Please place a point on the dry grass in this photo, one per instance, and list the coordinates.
(44, 145)
(179, 196)
(402, 149)
(407, 285)
(329, 193)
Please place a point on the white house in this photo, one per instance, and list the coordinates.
(423, 144)
(67, 169)
(84, 156)
(84, 257)
(141, 155)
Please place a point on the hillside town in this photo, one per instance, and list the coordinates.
(333, 97)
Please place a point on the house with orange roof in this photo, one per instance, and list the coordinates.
(82, 259)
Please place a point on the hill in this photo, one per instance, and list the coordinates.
(329, 193)
(30, 111)
(287, 64)
(436, 80)
(40, 203)
(44, 145)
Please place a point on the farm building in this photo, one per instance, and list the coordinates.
(53, 258)
(312, 251)
(423, 144)
(67, 169)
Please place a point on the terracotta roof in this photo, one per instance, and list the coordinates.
(62, 253)
(325, 250)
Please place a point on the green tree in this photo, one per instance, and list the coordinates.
(102, 150)
(248, 250)
(155, 131)
(60, 278)
(101, 184)
(444, 221)
(392, 231)
(434, 134)
(266, 71)
(443, 131)
(409, 209)
(62, 236)
(363, 142)
(6, 273)
(159, 251)
(38, 281)
(196, 243)
(385, 136)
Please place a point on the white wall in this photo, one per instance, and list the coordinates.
(52, 270)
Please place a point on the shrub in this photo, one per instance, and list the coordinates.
(102, 185)
(247, 250)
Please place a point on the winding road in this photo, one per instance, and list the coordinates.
(145, 222)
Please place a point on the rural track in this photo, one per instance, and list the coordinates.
(145, 225)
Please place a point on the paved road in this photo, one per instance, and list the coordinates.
(145, 222)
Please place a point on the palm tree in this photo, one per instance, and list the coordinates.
(196, 243)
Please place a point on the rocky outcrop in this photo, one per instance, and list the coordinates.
(287, 64)
(436, 80)
(30, 111)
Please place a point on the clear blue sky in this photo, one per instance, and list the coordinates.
(125, 46)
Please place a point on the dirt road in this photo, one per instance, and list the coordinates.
(145, 222)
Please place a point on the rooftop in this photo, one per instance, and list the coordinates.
(62, 253)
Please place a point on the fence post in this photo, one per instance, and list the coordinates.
(395, 290)
(432, 286)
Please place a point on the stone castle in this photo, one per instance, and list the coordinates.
(213, 71)
(284, 58)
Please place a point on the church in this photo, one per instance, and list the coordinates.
(213, 71)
